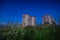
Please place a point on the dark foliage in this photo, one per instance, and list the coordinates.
(44, 32)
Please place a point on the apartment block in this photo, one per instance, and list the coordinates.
(28, 20)
(47, 18)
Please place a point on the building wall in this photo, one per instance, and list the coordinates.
(25, 18)
(33, 21)
(47, 18)
(28, 20)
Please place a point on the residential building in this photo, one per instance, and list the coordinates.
(47, 19)
(28, 20)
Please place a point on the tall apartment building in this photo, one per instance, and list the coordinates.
(28, 20)
(47, 18)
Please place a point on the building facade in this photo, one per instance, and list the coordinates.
(47, 18)
(28, 20)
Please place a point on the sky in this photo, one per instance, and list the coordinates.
(12, 10)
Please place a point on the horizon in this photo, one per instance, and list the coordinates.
(11, 10)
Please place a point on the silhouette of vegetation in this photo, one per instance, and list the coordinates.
(59, 21)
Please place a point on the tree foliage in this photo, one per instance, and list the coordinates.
(45, 32)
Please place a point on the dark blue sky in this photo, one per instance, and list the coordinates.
(12, 10)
